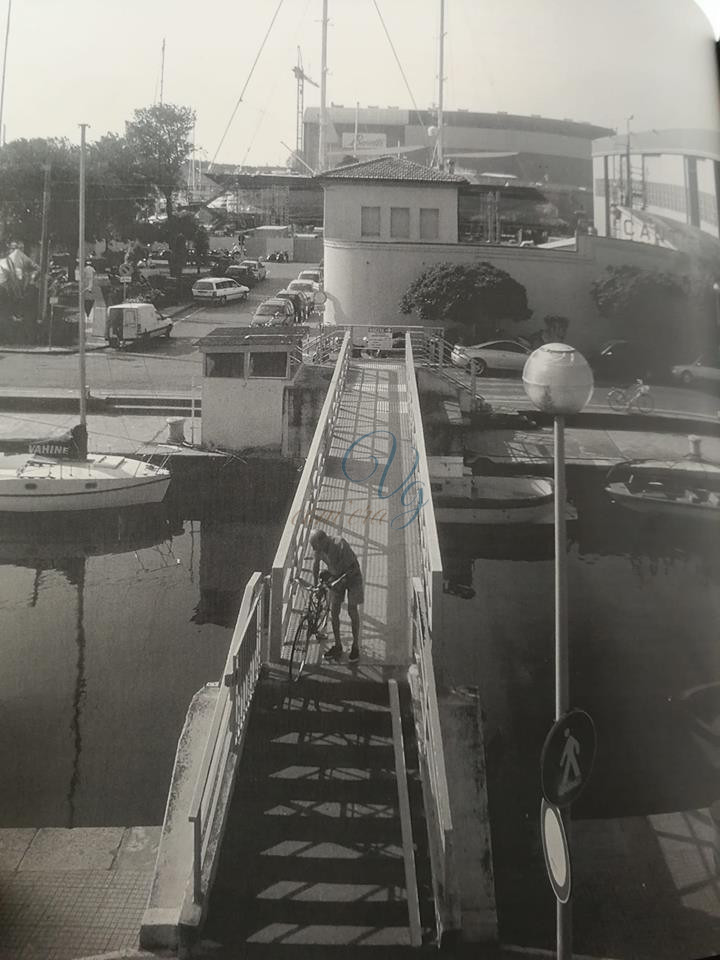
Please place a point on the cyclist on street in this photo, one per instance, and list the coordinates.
(345, 575)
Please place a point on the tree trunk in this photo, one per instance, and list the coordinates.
(168, 205)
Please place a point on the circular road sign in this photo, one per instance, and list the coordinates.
(555, 848)
(567, 758)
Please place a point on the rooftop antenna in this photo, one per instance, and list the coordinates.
(2, 82)
(301, 77)
(162, 70)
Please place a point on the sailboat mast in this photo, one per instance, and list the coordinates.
(441, 79)
(323, 90)
(81, 284)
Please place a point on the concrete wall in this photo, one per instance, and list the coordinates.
(239, 414)
(302, 403)
(364, 281)
(343, 203)
(307, 248)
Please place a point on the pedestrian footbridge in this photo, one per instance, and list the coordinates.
(316, 815)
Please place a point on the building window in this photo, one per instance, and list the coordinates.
(268, 365)
(400, 223)
(370, 221)
(228, 365)
(429, 223)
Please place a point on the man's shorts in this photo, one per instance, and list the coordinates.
(355, 590)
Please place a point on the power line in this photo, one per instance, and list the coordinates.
(242, 92)
(397, 60)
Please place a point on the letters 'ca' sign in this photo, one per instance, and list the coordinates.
(567, 758)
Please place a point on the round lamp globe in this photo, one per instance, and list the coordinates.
(558, 379)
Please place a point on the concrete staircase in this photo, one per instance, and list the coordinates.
(312, 862)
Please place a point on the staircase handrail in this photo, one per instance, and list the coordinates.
(294, 541)
(436, 795)
(242, 669)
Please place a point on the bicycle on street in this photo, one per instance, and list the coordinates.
(311, 626)
(637, 397)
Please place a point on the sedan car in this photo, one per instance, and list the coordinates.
(495, 355)
(314, 275)
(219, 290)
(702, 371)
(257, 268)
(299, 302)
(274, 313)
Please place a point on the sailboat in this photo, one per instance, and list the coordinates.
(59, 474)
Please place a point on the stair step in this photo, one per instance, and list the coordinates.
(333, 719)
(348, 822)
(328, 943)
(295, 902)
(305, 756)
(274, 865)
(279, 789)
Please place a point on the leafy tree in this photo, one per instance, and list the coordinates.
(201, 241)
(22, 176)
(469, 300)
(160, 137)
(647, 306)
(117, 191)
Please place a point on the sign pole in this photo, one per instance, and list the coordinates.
(564, 915)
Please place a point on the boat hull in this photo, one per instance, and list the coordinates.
(30, 484)
(530, 513)
(657, 506)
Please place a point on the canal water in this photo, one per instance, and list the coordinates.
(109, 623)
(644, 613)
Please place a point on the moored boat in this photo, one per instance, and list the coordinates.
(686, 488)
(461, 497)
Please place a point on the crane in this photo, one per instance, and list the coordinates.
(301, 77)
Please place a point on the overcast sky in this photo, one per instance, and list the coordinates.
(593, 60)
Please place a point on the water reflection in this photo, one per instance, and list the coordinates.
(108, 624)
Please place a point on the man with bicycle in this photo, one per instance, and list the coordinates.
(343, 573)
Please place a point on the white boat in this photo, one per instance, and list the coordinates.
(686, 488)
(58, 474)
(461, 497)
(31, 483)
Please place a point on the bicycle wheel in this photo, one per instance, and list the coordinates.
(642, 403)
(299, 650)
(617, 399)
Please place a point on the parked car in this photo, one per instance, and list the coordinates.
(703, 370)
(494, 355)
(219, 290)
(256, 267)
(274, 312)
(128, 322)
(241, 274)
(299, 302)
(314, 275)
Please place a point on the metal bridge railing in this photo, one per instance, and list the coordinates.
(436, 796)
(242, 669)
(432, 573)
(294, 544)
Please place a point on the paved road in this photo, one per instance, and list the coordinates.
(163, 365)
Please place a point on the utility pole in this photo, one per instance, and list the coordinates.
(81, 271)
(355, 137)
(43, 294)
(323, 91)
(162, 71)
(2, 81)
(441, 80)
(627, 164)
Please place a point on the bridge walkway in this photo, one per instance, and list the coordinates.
(371, 435)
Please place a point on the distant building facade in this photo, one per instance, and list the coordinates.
(646, 182)
(535, 150)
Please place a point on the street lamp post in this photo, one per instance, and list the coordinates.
(558, 380)
(716, 291)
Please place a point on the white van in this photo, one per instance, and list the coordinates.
(129, 322)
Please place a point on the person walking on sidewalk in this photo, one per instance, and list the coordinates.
(345, 576)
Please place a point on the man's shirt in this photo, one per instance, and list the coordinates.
(339, 557)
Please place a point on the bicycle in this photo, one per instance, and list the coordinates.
(635, 397)
(312, 625)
